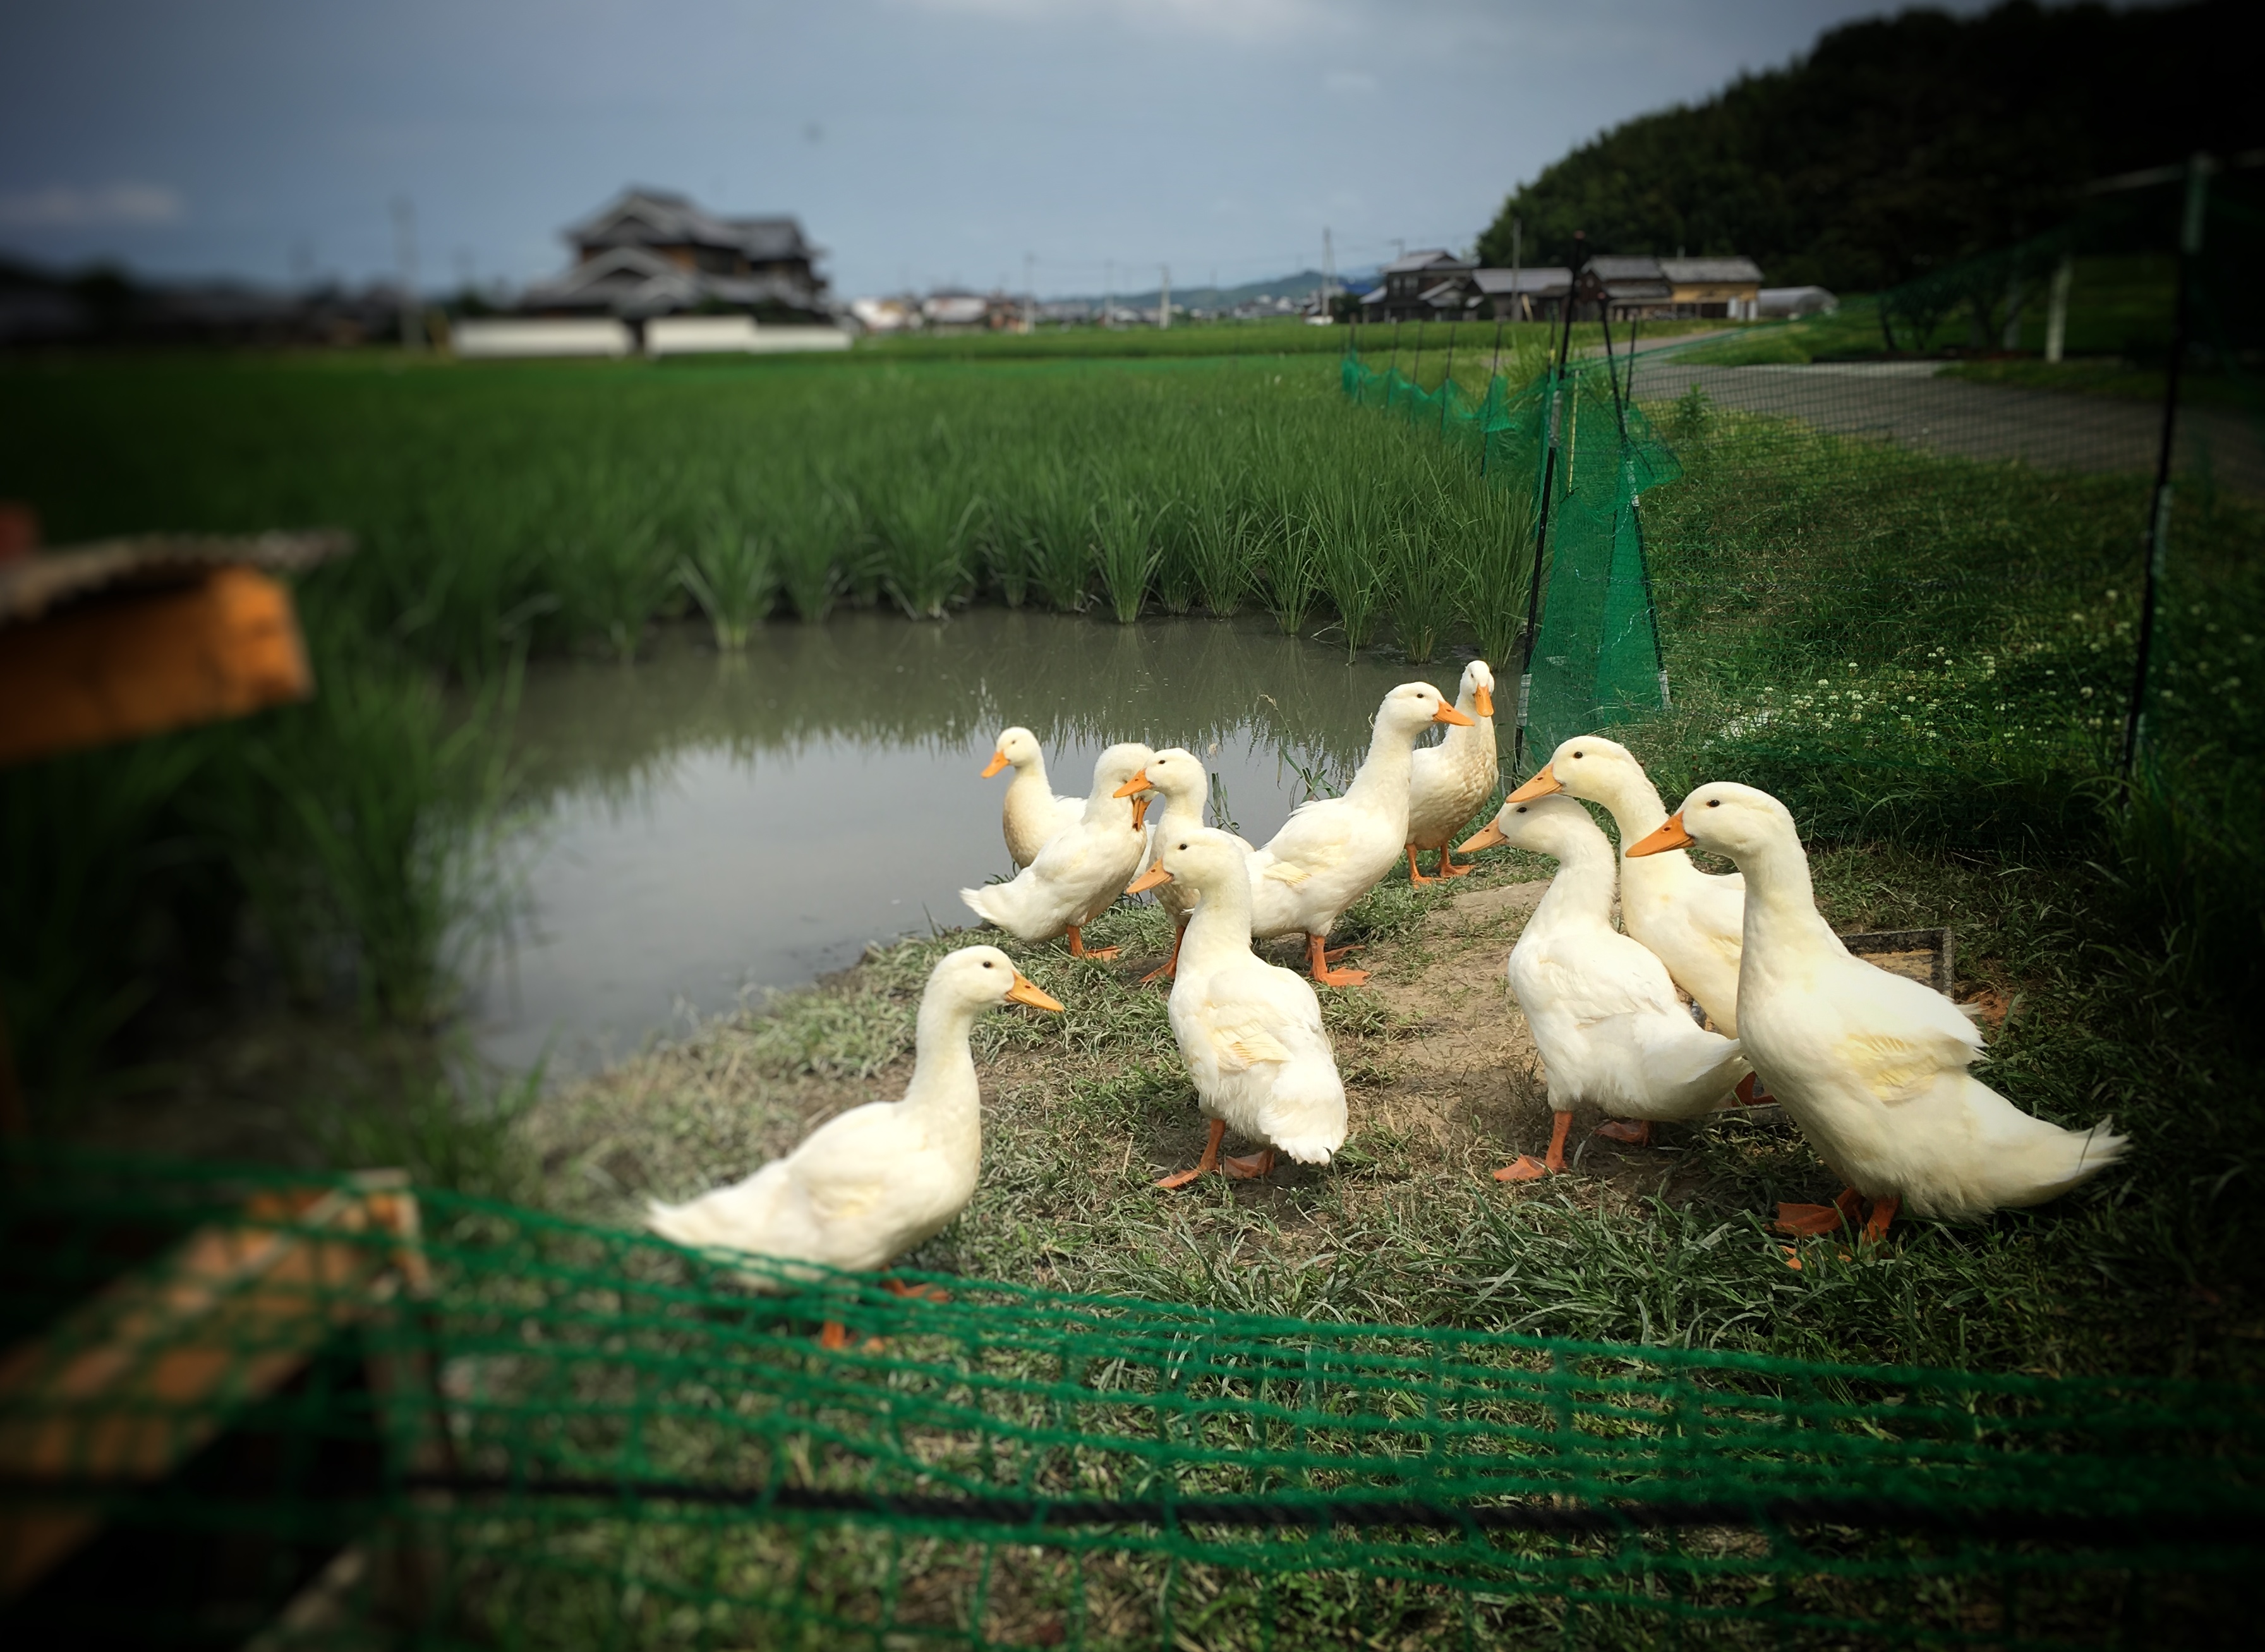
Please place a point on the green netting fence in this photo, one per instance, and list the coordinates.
(1896, 560)
(240, 1409)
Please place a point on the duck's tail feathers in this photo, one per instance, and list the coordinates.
(1318, 1147)
(980, 903)
(685, 1225)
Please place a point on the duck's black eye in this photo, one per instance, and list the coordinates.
(987, 963)
(1183, 846)
(1713, 803)
(1578, 756)
(1521, 808)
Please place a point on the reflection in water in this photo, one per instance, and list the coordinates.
(710, 824)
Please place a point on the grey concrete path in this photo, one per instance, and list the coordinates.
(1906, 402)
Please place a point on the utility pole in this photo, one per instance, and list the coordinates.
(1329, 270)
(404, 247)
(1164, 299)
(1030, 294)
(1517, 260)
(1108, 290)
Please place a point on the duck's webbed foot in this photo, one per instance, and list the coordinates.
(1415, 877)
(1251, 1166)
(920, 1292)
(1448, 867)
(1318, 956)
(1077, 947)
(1205, 1165)
(1636, 1132)
(1170, 966)
(1527, 1168)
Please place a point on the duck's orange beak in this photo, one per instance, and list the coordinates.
(1482, 697)
(1670, 835)
(1540, 786)
(1448, 713)
(1138, 782)
(1140, 813)
(1026, 991)
(1487, 837)
(998, 761)
(1154, 877)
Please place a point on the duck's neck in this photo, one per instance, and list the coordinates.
(1635, 808)
(1220, 930)
(1581, 894)
(1780, 901)
(943, 1089)
(1382, 782)
(1030, 780)
(1183, 812)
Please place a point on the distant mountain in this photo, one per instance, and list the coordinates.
(1903, 143)
(1296, 286)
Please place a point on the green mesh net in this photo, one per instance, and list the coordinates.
(345, 1413)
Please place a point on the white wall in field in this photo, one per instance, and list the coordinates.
(520, 336)
(710, 334)
(699, 335)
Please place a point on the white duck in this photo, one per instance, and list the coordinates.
(1034, 810)
(1603, 1012)
(1449, 782)
(1177, 775)
(1692, 920)
(1082, 868)
(1332, 849)
(1250, 1032)
(1872, 1067)
(866, 1187)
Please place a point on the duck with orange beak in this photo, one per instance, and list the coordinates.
(1872, 1067)
(1082, 869)
(1333, 850)
(1603, 1011)
(1177, 775)
(1449, 782)
(1249, 1032)
(872, 1183)
(1034, 811)
(1692, 920)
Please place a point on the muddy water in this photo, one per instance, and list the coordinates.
(706, 827)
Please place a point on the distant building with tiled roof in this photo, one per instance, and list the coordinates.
(652, 252)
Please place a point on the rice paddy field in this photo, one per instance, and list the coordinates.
(336, 858)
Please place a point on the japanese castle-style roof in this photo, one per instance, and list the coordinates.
(660, 217)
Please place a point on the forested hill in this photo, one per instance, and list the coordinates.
(1901, 144)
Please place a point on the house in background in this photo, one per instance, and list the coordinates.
(1522, 294)
(1432, 285)
(651, 252)
(1730, 288)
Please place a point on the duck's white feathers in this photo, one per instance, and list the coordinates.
(1449, 782)
(1874, 1069)
(1250, 1034)
(1873, 1066)
(1603, 1011)
(1082, 869)
(862, 1189)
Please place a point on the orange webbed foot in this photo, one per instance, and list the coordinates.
(1884, 1212)
(833, 1337)
(1808, 1220)
(1634, 1131)
(922, 1292)
(1164, 972)
(1079, 950)
(1448, 869)
(1181, 1179)
(1414, 877)
(1250, 1168)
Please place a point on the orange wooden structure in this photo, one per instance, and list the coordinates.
(111, 642)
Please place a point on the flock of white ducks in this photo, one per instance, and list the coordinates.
(1872, 1067)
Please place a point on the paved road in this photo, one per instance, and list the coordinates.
(1904, 401)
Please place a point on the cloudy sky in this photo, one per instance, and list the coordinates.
(920, 141)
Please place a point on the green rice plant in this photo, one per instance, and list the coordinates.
(1175, 568)
(999, 552)
(1054, 521)
(924, 527)
(1214, 544)
(1125, 547)
(1492, 564)
(1342, 523)
(1286, 554)
(615, 573)
(732, 573)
